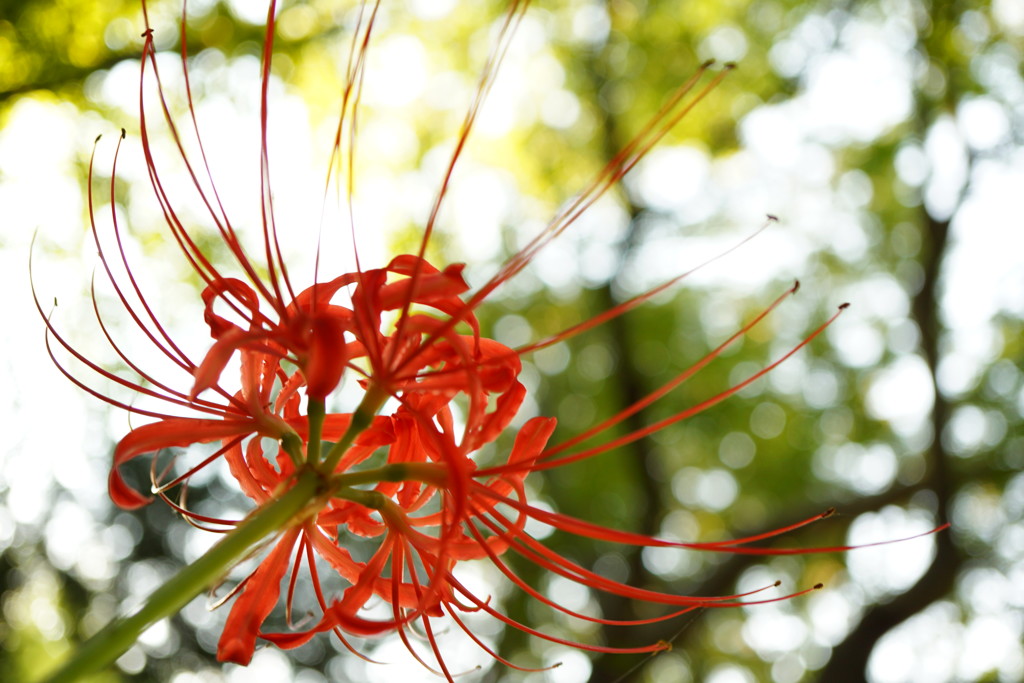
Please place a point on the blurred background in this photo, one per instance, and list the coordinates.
(886, 136)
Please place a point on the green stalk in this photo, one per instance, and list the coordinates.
(315, 412)
(114, 639)
(362, 418)
(426, 472)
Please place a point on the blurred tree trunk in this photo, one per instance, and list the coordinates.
(849, 660)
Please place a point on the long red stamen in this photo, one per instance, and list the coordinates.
(671, 384)
(545, 461)
(272, 246)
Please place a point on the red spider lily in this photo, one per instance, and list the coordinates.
(412, 480)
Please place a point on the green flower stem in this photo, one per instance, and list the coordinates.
(362, 418)
(426, 472)
(315, 412)
(114, 640)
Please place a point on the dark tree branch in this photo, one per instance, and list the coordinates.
(849, 659)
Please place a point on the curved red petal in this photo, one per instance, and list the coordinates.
(257, 600)
(168, 433)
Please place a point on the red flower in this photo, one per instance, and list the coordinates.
(409, 478)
